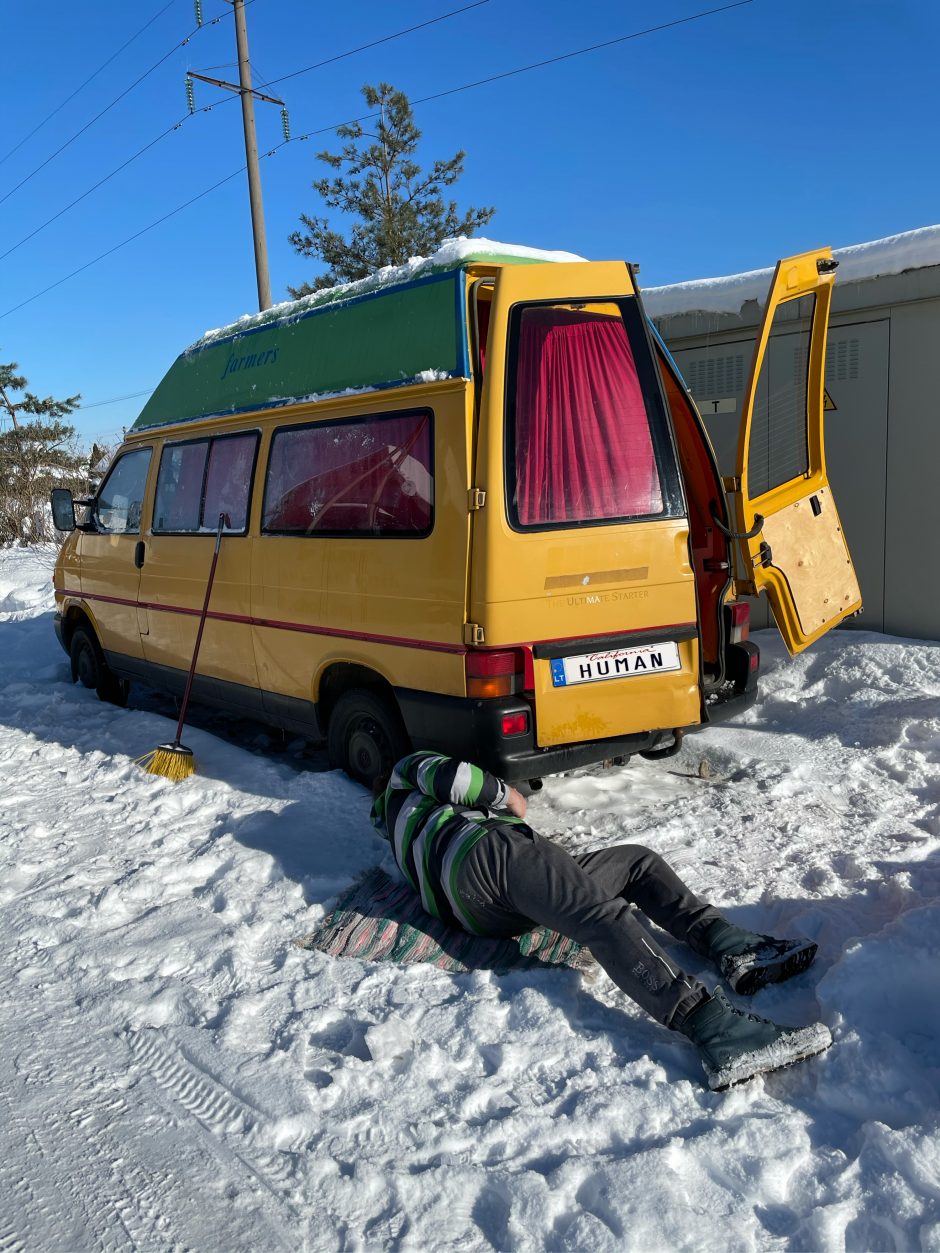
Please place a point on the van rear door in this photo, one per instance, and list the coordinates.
(580, 551)
(791, 540)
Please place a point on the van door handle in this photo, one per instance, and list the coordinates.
(755, 529)
(139, 551)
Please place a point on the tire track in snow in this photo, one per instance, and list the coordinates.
(66, 1182)
(222, 1114)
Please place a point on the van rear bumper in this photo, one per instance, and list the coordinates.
(470, 729)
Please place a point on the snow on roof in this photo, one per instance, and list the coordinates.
(910, 251)
(451, 254)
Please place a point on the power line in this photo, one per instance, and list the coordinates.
(182, 43)
(123, 166)
(98, 404)
(208, 108)
(124, 242)
(376, 42)
(523, 69)
(737, 4)
(104, 65)
(567, 56)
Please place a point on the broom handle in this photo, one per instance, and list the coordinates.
(202, 623)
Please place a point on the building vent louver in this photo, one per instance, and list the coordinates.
(842, 360)
(715, 376)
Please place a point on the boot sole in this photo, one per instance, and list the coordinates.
(757, 977)
(798, 1047)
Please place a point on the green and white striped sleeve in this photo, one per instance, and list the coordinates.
(449, 782)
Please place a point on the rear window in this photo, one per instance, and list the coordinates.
(777, 447)
(372, 476)
(587, 437)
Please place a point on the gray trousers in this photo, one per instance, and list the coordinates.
(513, 879)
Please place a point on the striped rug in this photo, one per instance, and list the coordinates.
(381, 919)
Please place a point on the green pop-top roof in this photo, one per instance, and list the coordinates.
(404, 325)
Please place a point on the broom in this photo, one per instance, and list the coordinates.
(175, 761)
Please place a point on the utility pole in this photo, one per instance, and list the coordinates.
(248, 94)
(251, 157)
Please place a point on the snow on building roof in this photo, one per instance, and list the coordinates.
(910, 251)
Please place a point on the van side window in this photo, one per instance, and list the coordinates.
(581, 443)
(360, 476)
(200, 479)
(121, 495)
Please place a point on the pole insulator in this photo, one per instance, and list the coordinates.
(190, 95)
(285, 124)
(198, 7)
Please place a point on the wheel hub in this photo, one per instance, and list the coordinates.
(87, 671)
(365, 750)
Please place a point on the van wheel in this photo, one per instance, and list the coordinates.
(365, 736)
(91, 670)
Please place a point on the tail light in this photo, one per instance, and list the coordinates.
(514, 724)
(492, 672)
(740, 621)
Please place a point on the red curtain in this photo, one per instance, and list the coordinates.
(582, 439)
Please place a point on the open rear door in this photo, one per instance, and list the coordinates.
(792, 544)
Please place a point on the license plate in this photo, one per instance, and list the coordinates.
(617, 663)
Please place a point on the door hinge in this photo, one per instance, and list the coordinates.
(476, 498)
(473, 634)
(731, 483)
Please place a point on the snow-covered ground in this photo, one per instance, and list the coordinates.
(175, 1074)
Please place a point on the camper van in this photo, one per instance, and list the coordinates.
(466, 505)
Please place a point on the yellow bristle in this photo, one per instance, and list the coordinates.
(170, 763)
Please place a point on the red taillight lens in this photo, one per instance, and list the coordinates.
(491, 672)
(740, 621)
(483, 664)
(515, 724)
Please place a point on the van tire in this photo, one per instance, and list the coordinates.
(365, 736)
(91, 670)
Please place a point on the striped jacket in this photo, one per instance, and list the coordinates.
(433, 812)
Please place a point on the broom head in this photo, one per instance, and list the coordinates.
(171, 761)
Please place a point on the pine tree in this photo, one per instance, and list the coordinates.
(35, 455)
(401, 207)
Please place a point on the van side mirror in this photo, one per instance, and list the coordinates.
(63, 509)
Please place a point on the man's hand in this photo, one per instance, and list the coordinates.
(516, 803)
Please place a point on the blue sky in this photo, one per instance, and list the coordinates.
(703, 149)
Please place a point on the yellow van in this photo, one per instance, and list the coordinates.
(467, 505)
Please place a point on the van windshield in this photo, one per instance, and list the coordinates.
(582, 446)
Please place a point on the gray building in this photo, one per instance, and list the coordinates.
(883, 407)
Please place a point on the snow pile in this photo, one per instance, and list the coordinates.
(176, 1074)
(450, 254)
(25, 580)
(893, 255)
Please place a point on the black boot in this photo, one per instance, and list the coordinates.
(749, 960)
(736, 1046)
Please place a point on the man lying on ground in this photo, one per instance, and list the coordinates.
(460, 838)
